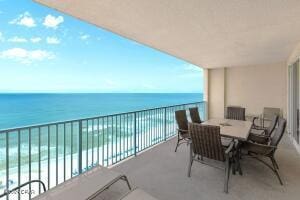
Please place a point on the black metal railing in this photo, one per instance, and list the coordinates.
(55, 152)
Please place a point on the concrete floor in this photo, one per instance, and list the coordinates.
(163, 173)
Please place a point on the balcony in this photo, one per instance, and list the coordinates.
(250, 54)
(163, 174)
(56, 152)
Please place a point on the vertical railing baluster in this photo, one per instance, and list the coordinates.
(64, 151)
(93, 142)
(107, 138)
(102, 141)
(87, 145)
(80, 147)
(7, 163)
(134, 138)
(116, 145)
(98, 137)
(144, 129)
(165, 123)
(48, 157)
(71, 149)
(122, 137)
(56, 156)
(39, 152)
(29, 151)
(19, 162)
(127, 135)
(112, 140)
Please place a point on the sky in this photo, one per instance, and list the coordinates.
(42, 50)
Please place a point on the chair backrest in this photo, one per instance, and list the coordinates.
(194, 113)
(181, 119)
(272, 125)
(236, 113)
(268, 112)
(278, 133)
(206, 141)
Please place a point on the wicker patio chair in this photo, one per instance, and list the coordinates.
(182, 130)
(236, 113)
(259, 151)
(261, 134)
(195, 117)
(206, 142)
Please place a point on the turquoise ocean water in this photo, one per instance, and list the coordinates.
(27, 109)
(106, 143)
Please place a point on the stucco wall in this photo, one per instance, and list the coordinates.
(216, 93)
(256, 87)
(252, 87)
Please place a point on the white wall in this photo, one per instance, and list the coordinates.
(253, 87)
(216, 89)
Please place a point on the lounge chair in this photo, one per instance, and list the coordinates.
(206, 142)
(87, 185)
(182, 130)
(6, 193)
(138, 194)
(235, 113)
(259, 151)
(194, 114)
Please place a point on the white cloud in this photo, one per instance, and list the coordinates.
(35, 40)
(26, 56)
(191, 67)
(52, 21)
(17, 40)
(24, 20)
(52, 40)
(84, 37)
(1, 37)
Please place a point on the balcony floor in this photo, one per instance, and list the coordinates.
(163, 173)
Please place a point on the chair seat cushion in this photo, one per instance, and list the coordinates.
(226, 141)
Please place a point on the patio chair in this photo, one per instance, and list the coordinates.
(267, 115)
(259, 151)
(235, 113)
(195, 117)
(206, 142)
(182, 130)
(263, 134)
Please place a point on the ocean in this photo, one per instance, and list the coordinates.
(40, 152)
(17, 110)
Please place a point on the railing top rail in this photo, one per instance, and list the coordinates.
(92, 118)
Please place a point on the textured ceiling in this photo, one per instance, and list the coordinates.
(207, 33)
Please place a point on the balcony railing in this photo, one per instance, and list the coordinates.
(58, 151)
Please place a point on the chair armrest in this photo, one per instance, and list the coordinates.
(229, 149)
(261, 139)
(260, 149)
(181, 130)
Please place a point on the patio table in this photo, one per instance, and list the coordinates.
(229, 128)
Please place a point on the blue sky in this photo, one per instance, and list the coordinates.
(42, 50)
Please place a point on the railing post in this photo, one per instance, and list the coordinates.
(80, 148)
(134, 134)
(165, 122)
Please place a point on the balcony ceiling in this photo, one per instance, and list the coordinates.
(207, 33)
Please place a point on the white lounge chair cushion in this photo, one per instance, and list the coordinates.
(138, 194)
(83, 186)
